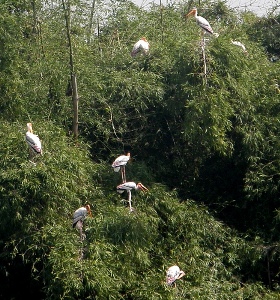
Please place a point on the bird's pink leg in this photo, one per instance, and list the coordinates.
(79, 226)
(129, 201)
(31, 153)
(123, 174)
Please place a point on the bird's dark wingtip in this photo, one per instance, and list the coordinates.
(74, 224)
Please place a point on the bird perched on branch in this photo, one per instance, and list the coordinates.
(33, 141)
(239, 44)
(172, 274)
(202, 22)
(79, 216)
(120, 163)
(128, 186)
(142, 46)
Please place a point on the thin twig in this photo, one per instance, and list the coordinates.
(111, 120)
(204, 60)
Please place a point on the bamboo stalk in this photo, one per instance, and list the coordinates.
(161, 21)
(75, 97)
(204, 61)
(91, 22)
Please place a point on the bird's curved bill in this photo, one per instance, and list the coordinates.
(143, 188)
(190, 13)
(89, 210)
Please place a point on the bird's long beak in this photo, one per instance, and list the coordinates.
(89, 210)
(192, 12)
(143, 188)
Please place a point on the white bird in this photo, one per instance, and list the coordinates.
(202, 22)
(79, 216)
(172, 274)
(142, 46)
(78, 219)
(33, 141)
(128, 186)
(239, 44)
(120, 163)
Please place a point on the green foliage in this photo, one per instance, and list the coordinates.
(124, 255)
(268, 34)
(213, 139)
(37, 196)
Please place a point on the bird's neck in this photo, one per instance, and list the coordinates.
(29, 129)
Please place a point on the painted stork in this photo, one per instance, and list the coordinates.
(33, 141)
(120, 163)
(142, 46)
(79, 216)
(172, 274)
(239, 44)
(128, 186)
(202, 22)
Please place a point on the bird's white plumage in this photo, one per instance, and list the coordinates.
(33, 140)
(202, 22)
(120, 161)
(130, 185)
(239, 44)
(172, 274)
(79, 215)
(127, 186)
(142, 46)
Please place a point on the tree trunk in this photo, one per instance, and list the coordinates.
(91, 22)
(204, 60)
(75, 97)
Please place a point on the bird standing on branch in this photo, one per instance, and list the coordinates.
(142, 46)
(239, 44)
(128, 186)
(202, 22)
(33, 141)
(120, 163)
(172, 274)
(79, 216)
